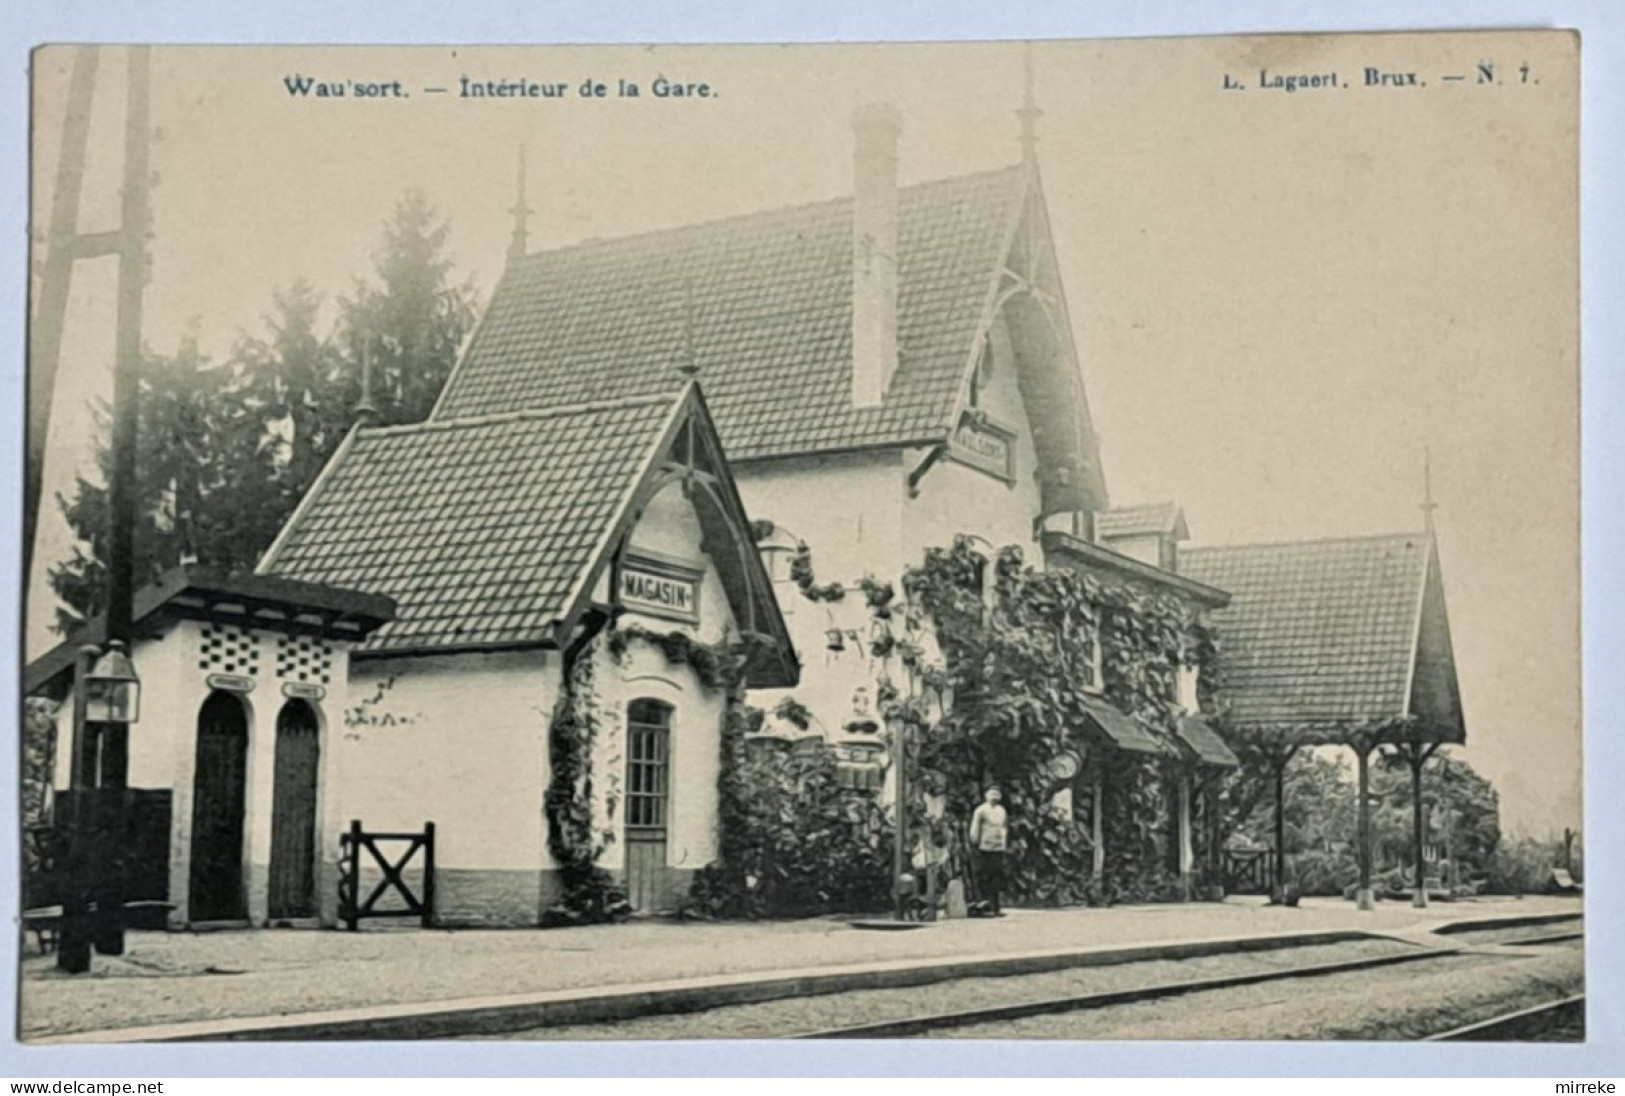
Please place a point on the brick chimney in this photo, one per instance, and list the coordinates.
(874, 252)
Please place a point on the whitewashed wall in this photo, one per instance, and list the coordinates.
(669, 528)
(850, 511)
(954, 498)
(459, 740)
(163, 749)
(855, 513)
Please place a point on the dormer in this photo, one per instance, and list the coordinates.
(1150, 534)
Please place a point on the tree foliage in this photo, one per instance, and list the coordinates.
(227, 449)
(1461, 808)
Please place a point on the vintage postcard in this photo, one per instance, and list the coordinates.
(1036, 540)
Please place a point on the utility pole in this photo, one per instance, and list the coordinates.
(123, 484)
(63, 244)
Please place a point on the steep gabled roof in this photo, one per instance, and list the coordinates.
(489, 532)
(1325, 634)
(762, 304)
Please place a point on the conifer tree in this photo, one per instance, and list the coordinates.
(227, 450)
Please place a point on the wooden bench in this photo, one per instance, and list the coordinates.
(45, 922)
(1564, 881)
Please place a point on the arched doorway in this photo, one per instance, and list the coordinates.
(219, 792)
(293, 813)
(648, 802)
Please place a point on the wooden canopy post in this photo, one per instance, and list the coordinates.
(1278, 762)
(1362, 746)
(1416, 755)
(1212, 856)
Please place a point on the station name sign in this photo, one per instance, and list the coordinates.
(984, 445)
(231, 683)
(660, 589)
(302, 690)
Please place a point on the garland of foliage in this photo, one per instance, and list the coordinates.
(590, 892)
(716, 666)
(801, 573)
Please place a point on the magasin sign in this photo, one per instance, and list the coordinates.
(660, 589)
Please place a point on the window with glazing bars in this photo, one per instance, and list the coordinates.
(648, 726)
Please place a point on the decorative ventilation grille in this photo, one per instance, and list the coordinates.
(300, 658)
(227, 649)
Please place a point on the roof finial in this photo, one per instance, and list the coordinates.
(689, 364)
(1428, 505)
(519, 243)
(366, 412)
(1029, 112)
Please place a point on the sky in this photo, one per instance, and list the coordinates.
(1280, 300)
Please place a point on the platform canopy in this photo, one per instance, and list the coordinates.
(1326, 639)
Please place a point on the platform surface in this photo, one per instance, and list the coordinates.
(179, 978)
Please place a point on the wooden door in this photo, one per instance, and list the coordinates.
(648, 803)
(293, 813)
(219, 794)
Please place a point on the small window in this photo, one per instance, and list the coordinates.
(1185, 694)
(648, 764)
(1094, 676)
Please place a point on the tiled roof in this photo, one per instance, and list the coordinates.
(478, 529)
(1318, 633)
(1135, 521)
(763, 304)
(1204, 742)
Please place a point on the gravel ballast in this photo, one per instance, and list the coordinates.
(801, 1015)
(1405, 1002)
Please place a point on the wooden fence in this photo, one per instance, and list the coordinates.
(392, 867)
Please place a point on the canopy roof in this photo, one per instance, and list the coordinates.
(1324, 637)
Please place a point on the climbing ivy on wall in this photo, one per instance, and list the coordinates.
(795, 843)
(590, 894)
(982, 661)
(1005, 694)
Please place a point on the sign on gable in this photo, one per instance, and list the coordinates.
(660, 589)
(984, 445)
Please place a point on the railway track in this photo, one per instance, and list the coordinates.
(1562, 1020)
(1338, 989)
(942, 1021)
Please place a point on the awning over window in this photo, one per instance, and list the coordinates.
(1121, 730)
(1204, 742)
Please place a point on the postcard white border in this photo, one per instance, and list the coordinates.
(421, 21)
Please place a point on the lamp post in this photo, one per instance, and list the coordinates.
(106, 700)
(112, 704)
(899, 849)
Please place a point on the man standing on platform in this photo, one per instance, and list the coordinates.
(989, 835)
